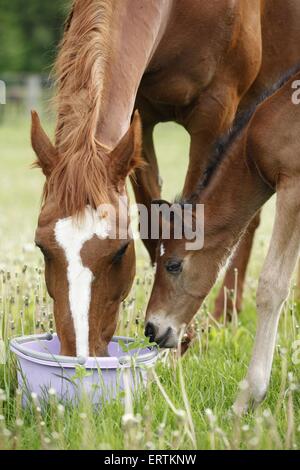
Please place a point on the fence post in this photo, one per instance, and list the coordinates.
(2, 92)
(33, 92)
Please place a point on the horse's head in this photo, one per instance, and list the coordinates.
(185, 273)
(89, 257)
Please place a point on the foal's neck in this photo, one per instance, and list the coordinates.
(234, 195)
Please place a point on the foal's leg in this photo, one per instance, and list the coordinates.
(239, 262)
(146, 183)
(272, 292)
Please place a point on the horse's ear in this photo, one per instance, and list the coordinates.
(42, 146)
(127, 156)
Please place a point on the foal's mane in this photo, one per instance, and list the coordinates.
(226, 141)
(80, 176)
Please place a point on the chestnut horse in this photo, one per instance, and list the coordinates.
(258, 158)
(194, 62)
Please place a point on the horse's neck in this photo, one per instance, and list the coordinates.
(137, 28)
(234, 195)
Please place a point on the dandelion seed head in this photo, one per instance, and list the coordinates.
(267, 414)
(254, 442)
(128, 419)
(60, 409)
(283, 351)
(181, 414)
(150, 445)
(6, 432)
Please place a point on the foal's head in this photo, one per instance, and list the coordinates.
(185, 273)
(89, 264)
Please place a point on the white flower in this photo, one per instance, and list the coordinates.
(60, 409)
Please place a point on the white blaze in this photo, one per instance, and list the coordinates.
(71, 236)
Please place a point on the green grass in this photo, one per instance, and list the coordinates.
(205, 381)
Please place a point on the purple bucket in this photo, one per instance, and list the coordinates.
(41, 369)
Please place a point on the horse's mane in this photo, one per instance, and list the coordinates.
(80, 176)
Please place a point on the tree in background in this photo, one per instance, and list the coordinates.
(29, 33)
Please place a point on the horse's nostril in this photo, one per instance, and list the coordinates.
(150, 331)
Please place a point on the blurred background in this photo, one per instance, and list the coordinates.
(29, 34)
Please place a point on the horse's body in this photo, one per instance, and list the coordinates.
(214, 58)
(259, 159)
(191, 61)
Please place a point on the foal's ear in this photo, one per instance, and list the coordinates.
(41, 144)
(127, 156)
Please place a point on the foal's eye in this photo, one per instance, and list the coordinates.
(174, 266)
(120, 253)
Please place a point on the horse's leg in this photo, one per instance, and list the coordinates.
(203, 137)
(272, 292)
(239, 262)
(146, 183)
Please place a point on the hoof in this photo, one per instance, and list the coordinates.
(247, 400)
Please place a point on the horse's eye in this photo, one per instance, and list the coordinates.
(120, 253)
(174, 266)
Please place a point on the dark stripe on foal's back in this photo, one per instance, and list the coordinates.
(224, 143)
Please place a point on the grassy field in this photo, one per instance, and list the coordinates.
(187, 403)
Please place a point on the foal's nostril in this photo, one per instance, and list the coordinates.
(150, 331)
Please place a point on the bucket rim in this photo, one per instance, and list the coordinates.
(18, 346)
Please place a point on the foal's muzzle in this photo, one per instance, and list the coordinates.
(165, 339)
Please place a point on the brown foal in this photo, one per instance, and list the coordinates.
(191, 61)
(256, 159)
